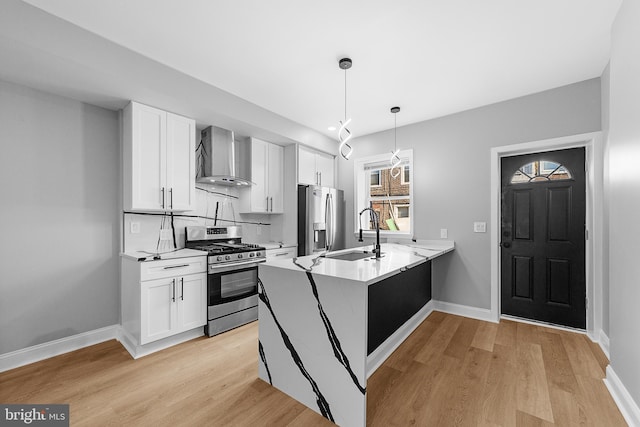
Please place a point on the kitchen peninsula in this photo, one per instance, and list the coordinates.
(328, 321)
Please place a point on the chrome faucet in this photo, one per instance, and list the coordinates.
(377, 224)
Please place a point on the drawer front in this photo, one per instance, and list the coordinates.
(152, 270)
(281, 253)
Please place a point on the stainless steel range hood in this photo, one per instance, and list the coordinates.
(222, 160)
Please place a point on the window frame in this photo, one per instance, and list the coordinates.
(379, 184)
(402, 180)
(362, 185)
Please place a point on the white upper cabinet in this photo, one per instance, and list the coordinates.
(159, 160)
(266, 194)
(315, 168)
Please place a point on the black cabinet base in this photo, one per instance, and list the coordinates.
(395, 300)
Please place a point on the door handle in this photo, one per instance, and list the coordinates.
(173, 294)
(505, 245)
(182, 288)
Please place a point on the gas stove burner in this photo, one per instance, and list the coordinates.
(224, 245)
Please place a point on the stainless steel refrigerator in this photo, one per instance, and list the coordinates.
(320, 219)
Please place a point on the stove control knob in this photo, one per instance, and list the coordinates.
(239, 256)
(251, 255)
(258, 253)
(227, 257)
(219, 258)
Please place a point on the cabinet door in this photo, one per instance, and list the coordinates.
(259, 158)
(148, 158)
(158, 309)
(181, 172)
(275, 178)
(307, 167)
(192, 301)
(324, 167)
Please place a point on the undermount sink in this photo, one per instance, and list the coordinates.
(351, 256)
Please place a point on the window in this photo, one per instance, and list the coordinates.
(375, 178)
(391, 198)
(405, 175)
(540, 171)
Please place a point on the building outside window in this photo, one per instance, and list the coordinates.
(391, 197)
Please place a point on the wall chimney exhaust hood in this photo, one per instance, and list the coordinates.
(222, 160)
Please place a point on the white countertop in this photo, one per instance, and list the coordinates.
(395, 258)
(146, 256)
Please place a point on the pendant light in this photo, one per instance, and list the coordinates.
(345, 134)
(395, 159)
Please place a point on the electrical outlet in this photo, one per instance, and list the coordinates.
(165, 234)
(479, 227)
(443, 233)
(135, 227)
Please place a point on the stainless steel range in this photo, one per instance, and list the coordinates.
(232, 280)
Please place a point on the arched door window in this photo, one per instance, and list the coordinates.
(540, 171)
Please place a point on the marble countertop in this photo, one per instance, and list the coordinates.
(396, 257)
(147, 256)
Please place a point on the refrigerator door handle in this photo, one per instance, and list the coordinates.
(328, 217)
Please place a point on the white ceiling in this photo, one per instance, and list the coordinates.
(431, 58)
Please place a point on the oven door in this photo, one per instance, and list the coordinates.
(227, 283)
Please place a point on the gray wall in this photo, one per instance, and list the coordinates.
(59, 186)
(452, 174)
(624, 199)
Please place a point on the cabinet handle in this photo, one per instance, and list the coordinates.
(182, 288)
(176, 266)
(271, 198)
(280, 254)
(162, 197)
(173, 295)
(171, 198)
(267, 204)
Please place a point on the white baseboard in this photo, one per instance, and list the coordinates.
(603, 340)
(464, 310)
(137, 351)
(380, 354)
(49, 349)
(626, 404)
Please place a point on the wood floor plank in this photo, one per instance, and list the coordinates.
(379, 387)
(461, 341)
(440, 339)
(419, 338)
(597, 403)
(498, 402)
(581, 357)
(526, 333)
(556, 361)
(506, 334)
(464, 395)
(532, 391)
(530, 376)
(485, 336)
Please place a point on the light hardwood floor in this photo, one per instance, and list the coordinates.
(451, 371)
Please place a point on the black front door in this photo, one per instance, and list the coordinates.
(543, 237)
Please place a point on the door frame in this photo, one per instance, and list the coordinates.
(594, 158)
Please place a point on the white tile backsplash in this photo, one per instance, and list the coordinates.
(226, 197)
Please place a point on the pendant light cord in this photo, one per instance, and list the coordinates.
(345, 94)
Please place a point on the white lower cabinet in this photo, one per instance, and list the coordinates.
(163, 298)
(171, 306)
